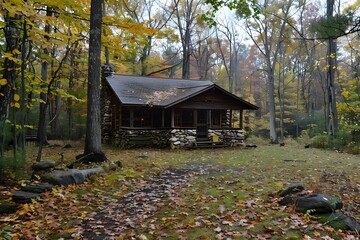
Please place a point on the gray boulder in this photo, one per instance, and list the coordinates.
(287, 200)
(37, 188)
(292, 188)
(319, 203)
(69, 176)
(339, 221)
(43, 165)
(24, 197)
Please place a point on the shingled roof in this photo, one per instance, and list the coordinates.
(159, 92)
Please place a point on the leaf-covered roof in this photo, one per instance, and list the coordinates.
(160, 92)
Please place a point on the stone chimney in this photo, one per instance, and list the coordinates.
(105, 101)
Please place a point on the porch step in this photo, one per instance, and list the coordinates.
(208, 144)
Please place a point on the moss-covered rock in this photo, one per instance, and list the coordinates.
(318, 203)
(339, 221)
(7, 207)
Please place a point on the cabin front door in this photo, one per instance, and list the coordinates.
(202, 125)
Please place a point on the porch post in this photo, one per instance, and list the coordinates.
(195, 117)
(172, 118)
(241, 119)
(209, 120)
(120, 116)
(230, 118)
(162, 118)
(131, 117)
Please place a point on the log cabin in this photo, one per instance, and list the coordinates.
(140, 111)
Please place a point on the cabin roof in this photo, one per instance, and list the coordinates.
(161, 92)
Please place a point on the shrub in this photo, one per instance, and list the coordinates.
(320, 141)
(341, 140)
(353, 148)
(12, 167)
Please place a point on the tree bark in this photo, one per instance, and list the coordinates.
(93, 121)
(42, 134)
(330, 106)
(185, 28)
(12, 38)
(23, 90)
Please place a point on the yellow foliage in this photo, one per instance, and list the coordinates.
(345, 93)
(3, 82)
(7, 55)
(26, 208)
(16, 97)
(17, 105)
(15, 52)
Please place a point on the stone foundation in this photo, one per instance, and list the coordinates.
(182, 138)
(141, 138)
(174, 138)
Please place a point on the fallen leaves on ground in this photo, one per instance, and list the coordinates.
(203, 194)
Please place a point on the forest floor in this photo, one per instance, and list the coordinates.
(225, 193)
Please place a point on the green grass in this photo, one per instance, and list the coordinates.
(238, 175)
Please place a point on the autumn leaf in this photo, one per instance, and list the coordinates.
(222, 209)
(345, 93)
(3, 82)
(243, 223)
(16, 52)
(16, 105)
(26, 208)
(16, 97)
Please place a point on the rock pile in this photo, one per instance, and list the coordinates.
(187, 137)
(323, 206)
(182, 137)
(45, 171)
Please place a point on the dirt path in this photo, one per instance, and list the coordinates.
(123, 216)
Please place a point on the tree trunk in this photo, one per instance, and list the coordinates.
(55, 102)
(12, 38)
(93, 122)
(271, 100)
(188, 13)
(23, 90)
(330, 111)
(186, 55)
(41, 134)
(71, 86)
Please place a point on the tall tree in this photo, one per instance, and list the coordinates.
(203, 54)
(9, 70)
(330, 102)
(236, 52)
(42, 133)
(93, 120)
(186, 13)
(270, 33)
(156, 15)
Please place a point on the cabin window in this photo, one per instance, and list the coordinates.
(184, 118)
(216, 118)
(143, 118)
